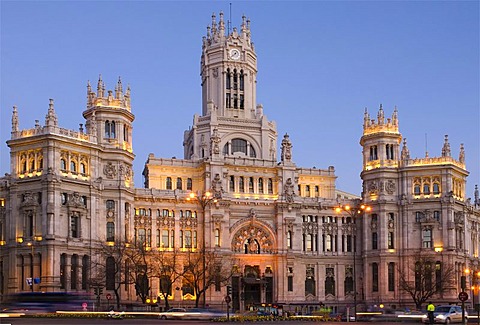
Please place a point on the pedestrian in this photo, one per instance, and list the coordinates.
(430, 310)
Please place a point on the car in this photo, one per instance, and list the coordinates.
(174, 313)
(203, 314)
(446, 314)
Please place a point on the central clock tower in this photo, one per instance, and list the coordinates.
(230, 114)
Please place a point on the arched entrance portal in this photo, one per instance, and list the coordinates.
(252, 285)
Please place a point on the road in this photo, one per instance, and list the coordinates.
(80, 321)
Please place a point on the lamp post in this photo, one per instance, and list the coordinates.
(203, 200)
(354, 211)
(31, 244)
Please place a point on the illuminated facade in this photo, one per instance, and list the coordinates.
(69, 191)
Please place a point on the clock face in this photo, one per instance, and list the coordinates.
(235, 54)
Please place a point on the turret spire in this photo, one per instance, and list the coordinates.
(381, 116)
(446, 152)
(51, 117)
(100, 87)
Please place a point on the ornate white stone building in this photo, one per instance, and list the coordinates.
(68, 192)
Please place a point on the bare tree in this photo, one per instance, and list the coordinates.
(121, 263)
(167, 267)
(204, 269)
(425, 279)
(111, 260)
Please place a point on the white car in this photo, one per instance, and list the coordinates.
(446, 314)
(174, 313)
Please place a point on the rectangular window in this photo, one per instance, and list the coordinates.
(391, 276)
(427, 238)
(328, 243)
(165, 238)
(250, 184)
(260, 185)
(241, 185)
(74, 226)
(290, 283)
(390, 240)
(317, 191)
(188, 238)
(374, 240)
(307, 190)
(232, 184)
(110, 205)
(110, 231)
(436, 215)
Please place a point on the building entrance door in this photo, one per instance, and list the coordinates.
(252, 294)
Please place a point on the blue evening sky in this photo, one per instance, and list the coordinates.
(320, 63)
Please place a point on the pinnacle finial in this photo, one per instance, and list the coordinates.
(446, 152)
(14, 119)
(405, 154)
(461, 156)
(51, 117)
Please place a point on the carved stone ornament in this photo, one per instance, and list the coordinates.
(110, 170)
(30, 199)
(373, 187)
(252, 240)
(289, 192)
(390, 186)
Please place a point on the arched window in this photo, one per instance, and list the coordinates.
(232, 184)
(85, 268)
(438, 276)
(374, 277)
(63, 265)
(391, 276)
(239, 145)
(73, 166)
(112, 130)
(416, 189)
(241, 185)
(74, 272)
(436, 188)
(260, 185)
(228, 79)
(348, 280)
(125, 133)
(270, 186)
(241, 80)
(169, 183)
(83, 168)
(110, 273)
(250, 184)
(32, 165)
(310, 281)
(189, 184)
(235, 79)
(63, 164)
(426, 189)
(330, 281)
(179, 183)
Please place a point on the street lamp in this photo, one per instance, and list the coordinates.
(203, 200)
(32, 266)
(354, 211)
